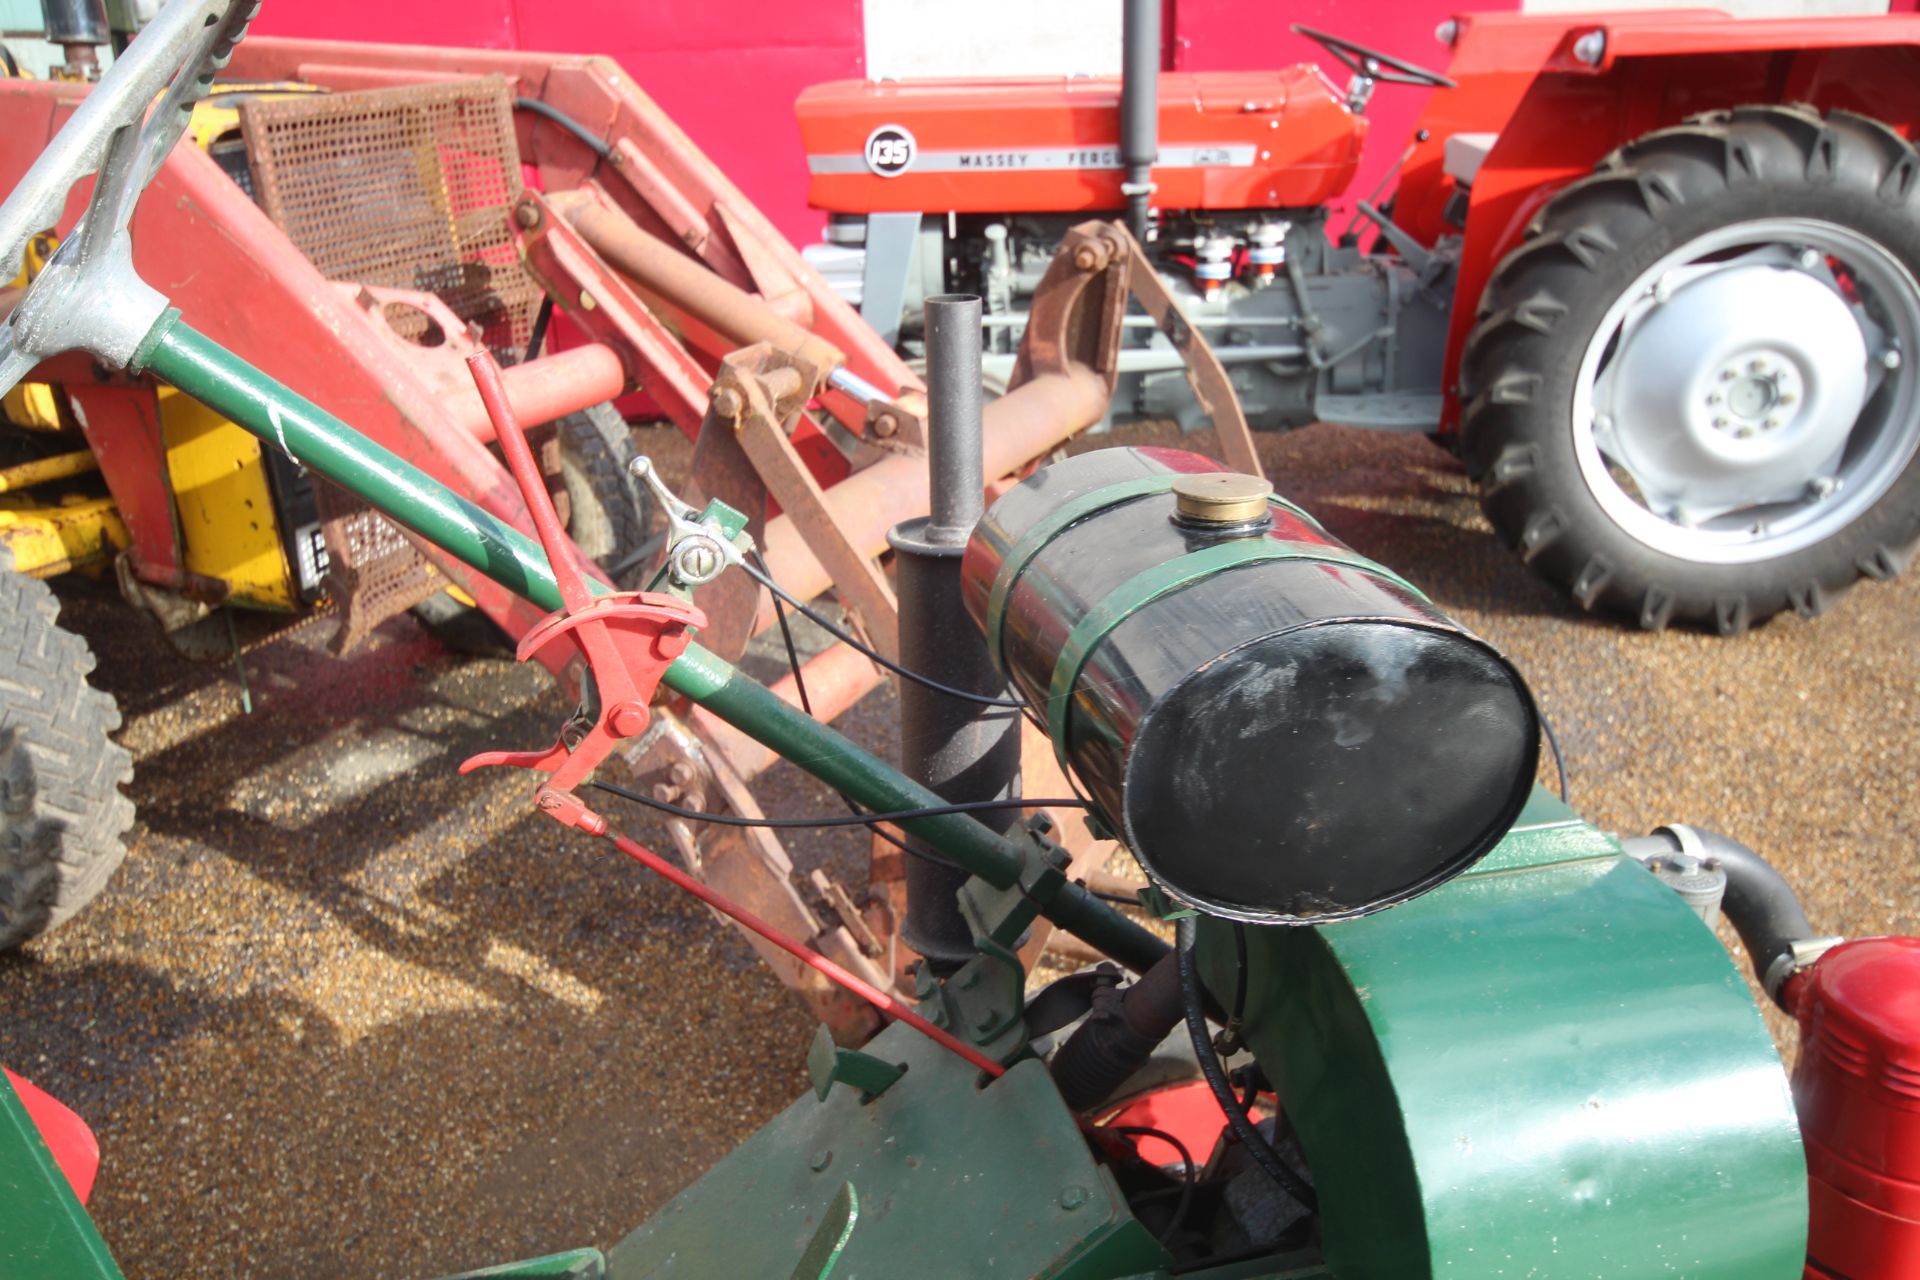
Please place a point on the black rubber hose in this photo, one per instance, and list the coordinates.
(1760, 905)
(1119, 1034)
(588, 138)
(1186, 931)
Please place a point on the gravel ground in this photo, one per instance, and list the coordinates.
(348, 1013)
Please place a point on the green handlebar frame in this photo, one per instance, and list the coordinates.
(195, 364)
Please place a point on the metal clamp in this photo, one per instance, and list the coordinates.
(628, 639)
(1801, 953)
(698, 550)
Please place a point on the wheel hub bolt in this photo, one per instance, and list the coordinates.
(1823, 486)
(1890, 358)
(1744, 433)
(1809, 259)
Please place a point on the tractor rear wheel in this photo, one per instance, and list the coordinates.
(1693, 393)
(63, 819)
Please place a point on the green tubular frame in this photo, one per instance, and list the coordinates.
(203, 369)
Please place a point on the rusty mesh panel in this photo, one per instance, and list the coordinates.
(410, 188)
(373, 571)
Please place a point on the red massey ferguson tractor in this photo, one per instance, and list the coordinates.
(1653, 274)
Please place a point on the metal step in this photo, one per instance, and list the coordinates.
(1383, 411)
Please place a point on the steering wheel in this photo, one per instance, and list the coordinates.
(88, 296)
(1373, 64)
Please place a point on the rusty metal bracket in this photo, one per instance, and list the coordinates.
(758, 394)
(1205, 374)
(596, 298)
(1076, 315)
(675, 762)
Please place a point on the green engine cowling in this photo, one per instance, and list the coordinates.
(1548, 1067)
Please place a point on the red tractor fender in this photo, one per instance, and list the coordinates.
(1557, 113)
(67, 1136)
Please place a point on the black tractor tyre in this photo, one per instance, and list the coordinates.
(63, 819)
(610, 518)
(1546, 302)
(611, 511)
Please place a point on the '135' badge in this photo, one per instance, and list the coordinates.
(890, 150)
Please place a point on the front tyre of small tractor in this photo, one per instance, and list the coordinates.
(63, 819)
(1693, 394)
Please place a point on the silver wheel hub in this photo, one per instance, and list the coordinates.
(1746, 397)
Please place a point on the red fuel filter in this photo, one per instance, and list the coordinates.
(1857, 1086)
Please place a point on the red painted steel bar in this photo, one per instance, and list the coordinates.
(888, 1004)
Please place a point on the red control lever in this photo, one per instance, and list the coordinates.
(628, 638)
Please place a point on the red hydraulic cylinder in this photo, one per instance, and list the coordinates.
(1857, 1087)
(547, 389)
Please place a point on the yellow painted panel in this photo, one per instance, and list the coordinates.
(227, 524)
(46, 541)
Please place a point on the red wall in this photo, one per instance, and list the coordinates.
(727, 71)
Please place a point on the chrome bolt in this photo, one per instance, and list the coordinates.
(1773, 421)
(1787, 397)
(1663, 288)
(1890, 358)
(1714, 397)
(697, 560)
(1720, 421)
(1591, 47)
(1756, 366)
(1809, 259)
(1744, 433)
(1728, 375)
(1823, 486)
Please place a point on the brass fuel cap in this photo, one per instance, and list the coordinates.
(1218, 498)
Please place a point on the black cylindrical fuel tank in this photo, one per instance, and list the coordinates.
(1279, 729)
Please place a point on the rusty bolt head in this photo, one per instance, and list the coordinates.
(527, 214)
(885, 425)
(548, 800)
(681, 772)
(665, 792)
(727, 402)
(1087, 258)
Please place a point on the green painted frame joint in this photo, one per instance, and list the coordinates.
(827, 1063)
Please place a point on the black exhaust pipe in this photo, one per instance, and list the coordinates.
(961, 750)
(1139, 108)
